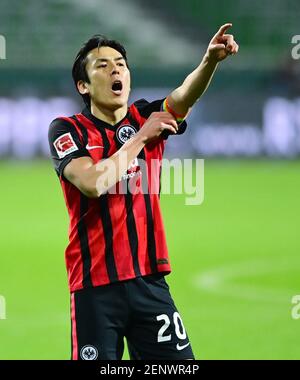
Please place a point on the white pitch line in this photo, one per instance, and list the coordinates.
(219, 280)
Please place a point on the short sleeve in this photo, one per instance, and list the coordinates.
(146, 108)
(65, 144)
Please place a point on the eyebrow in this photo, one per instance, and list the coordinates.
(107, 59)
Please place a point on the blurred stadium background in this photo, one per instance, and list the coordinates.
(236, 257)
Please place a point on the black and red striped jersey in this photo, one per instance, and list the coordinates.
(120, 235)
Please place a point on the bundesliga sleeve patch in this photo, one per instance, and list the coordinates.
(65, 145)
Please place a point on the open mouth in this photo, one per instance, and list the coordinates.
(117, 87)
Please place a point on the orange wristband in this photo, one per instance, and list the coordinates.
(179, 118)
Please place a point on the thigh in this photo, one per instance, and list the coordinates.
(156, 331)
(99, 316)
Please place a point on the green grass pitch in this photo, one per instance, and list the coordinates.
(235, 261)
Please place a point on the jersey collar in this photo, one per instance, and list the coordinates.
(101, 123)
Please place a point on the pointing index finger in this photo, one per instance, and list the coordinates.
(224, 28)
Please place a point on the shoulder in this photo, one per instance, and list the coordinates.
(145, 108)
(63, 130)
(62, 121)
(63, 124)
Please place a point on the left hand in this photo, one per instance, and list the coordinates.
(222, 45)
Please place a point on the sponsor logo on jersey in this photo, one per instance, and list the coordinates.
(64, 145)
(90, 147)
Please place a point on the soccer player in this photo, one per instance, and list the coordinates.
(117, 255)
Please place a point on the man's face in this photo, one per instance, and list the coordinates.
(109, 76)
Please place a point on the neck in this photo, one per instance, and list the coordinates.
(109, 116)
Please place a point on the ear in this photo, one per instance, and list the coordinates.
(82, 87)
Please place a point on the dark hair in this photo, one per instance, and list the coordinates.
(79, 65)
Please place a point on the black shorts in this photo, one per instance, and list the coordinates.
(141, 310)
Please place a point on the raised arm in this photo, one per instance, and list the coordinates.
(180, 101)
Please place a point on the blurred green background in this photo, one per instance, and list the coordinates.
(235, 261)
(235, 257)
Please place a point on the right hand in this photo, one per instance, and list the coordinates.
(156, 124)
